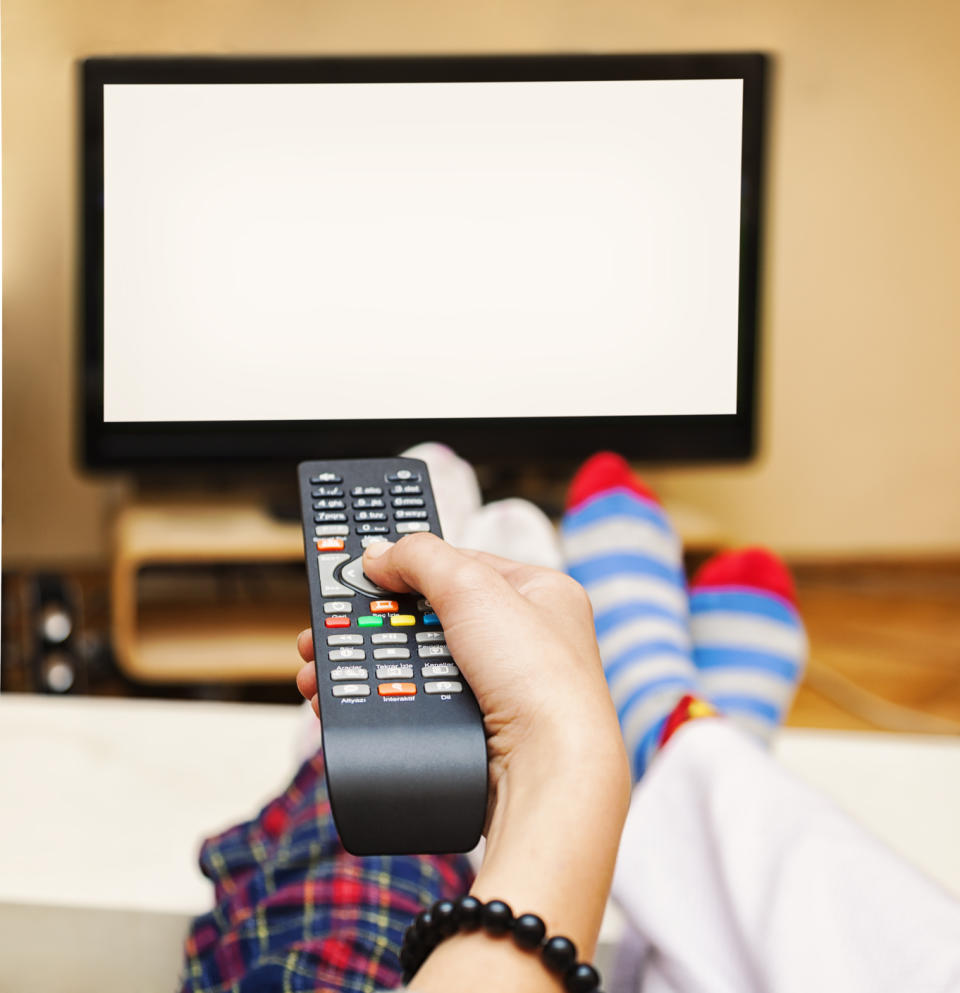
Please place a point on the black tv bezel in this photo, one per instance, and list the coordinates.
(116, 445)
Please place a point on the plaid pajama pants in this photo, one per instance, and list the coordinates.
(294, 911)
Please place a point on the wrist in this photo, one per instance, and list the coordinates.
(552, 841)
(577, 765)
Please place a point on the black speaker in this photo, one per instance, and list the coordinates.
(57, 668)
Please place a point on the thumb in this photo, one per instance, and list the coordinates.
(453, 582)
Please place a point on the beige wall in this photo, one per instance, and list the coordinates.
(861, 433)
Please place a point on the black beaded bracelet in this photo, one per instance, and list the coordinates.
(447, 917)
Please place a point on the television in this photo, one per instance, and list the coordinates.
(526, 257)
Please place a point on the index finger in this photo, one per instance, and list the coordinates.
(305, 645)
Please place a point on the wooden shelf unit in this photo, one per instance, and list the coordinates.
(203, 642)
(193, 641)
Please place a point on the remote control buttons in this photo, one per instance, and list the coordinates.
(397, 689)
(329, 505)
(369, 515)
(368, 503)
(394, 671)
(433, 652)
(389, 638)
(373, 529)
(352, 573)
(403, 476)
(337, 622)
(347, 655)
(326, 477)
(384, 607)
(326, 491)
(344, 672)
(328, 585)
(405, 490)
(334, 640)
(430, 619)
(337, 607)
(425, 637)
(391, 653)
(370, 622)
(371, 539)
(424, 604)
(329, 517)
(439, 669)
(402, 620)
(330, 529)
(444, 686)
(410, 515)
(330, 544)
(409, 527)
(401, 502)
(352, 689)
(364, 491)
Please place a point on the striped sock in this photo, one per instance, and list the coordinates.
(749, 642)
(619, 545)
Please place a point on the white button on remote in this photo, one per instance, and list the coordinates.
(328, 585)
(337, 607)
(390, 638)
(394, 672)
(351, 689)
(439, 669)
(334, 640)
(391, 653)
(434, 652)
(430, 636)
(347, 655)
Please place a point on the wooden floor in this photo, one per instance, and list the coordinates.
(885, 647)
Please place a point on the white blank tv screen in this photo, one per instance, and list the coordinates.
(325, 251)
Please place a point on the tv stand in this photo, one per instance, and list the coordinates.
(187, 548)
(230, 571)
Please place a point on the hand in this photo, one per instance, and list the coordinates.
(523, 638)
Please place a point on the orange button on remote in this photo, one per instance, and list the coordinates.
(397, 689)
(384, 607)
(329, 544)
(338, 621)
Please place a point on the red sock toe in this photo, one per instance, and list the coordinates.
(605, 471)
(756, 568)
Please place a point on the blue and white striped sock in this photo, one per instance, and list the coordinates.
(620, 546)
(749, 644)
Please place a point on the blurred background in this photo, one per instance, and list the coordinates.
(858, 471)
(115, 592)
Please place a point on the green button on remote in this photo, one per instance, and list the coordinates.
(370, 622)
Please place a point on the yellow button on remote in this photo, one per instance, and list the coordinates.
(402, 620)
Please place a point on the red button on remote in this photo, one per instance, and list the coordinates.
(384, 607)
(397, 689)
(338, 621)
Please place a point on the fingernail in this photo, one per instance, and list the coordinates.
(377, 549)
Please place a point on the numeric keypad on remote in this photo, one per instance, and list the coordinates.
(346, 515)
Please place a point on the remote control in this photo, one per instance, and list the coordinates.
(403, 737)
